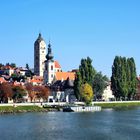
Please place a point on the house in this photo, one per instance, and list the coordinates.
(9, 70)
(108, 94)
(36, 80)
(62, 91)
(137, 96)
(2, 80)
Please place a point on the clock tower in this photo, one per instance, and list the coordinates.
(39, 56)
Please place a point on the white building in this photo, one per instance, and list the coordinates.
(108, 94)
(39, 56)
(53, 71)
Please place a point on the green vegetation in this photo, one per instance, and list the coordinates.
(118, 105)
(87, 74)
(99, 84)
(84, 77)
(123, 80)
(87, 93)
(12, 109)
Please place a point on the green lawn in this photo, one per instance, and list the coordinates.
(11, 109)
(117, 105)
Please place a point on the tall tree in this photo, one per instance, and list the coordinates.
(132, 78)
(77, 85)
(87, 71)
(85, 74)
(123, 79)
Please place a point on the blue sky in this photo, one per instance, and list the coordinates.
(100, 29)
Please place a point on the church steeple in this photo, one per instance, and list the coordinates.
(49, 55)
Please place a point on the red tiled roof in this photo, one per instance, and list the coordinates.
(65, 75)
(2, 80)
(57, 65)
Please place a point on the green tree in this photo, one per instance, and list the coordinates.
(77, 85)
(87, 93)
(99, 84)
(13, 65)
(123, 79)
(132, 78)
(18, 93)
(87, 71)
(85, 74)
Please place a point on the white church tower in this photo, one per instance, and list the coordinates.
(49, 72)
(39, 56)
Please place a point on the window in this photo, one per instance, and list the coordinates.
(51, 75)
(51, 67)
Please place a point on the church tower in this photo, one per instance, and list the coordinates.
(39, 56)
(49, 72)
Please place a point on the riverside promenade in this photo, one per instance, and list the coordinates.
(64, 103)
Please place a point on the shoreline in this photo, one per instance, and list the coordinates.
(7, 109)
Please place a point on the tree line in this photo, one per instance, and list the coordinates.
(89, 83)
(17, 93)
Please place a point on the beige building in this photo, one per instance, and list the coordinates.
(39, 56)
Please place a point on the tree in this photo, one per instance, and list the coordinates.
(18, 93)
(123, 79)
(87, 93)
(85, 74)
(99, 84)
(5, 92)
(13, 65)
(77, 85)
(132, 78)
(87, 71)
(41, 92)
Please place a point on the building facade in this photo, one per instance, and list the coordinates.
(39, 56)
(53, 71)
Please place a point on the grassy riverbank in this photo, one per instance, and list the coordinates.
(118, 105)
(18, 109)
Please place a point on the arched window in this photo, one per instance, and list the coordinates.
(51, 67)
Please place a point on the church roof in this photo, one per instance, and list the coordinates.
(57, 65)
(65, 75)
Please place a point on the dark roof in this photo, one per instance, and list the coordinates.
(39, 39)
(61, 85)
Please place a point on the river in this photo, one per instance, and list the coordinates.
(108, 124)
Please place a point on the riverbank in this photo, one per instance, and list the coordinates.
(118, 105)
(48, 107)
(20, 109)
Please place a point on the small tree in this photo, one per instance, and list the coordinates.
(19, 92)
(87, 93)
(99, 84)
(5, 92)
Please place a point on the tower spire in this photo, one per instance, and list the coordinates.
(49, 55)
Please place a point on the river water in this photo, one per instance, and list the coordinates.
(108, 124)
